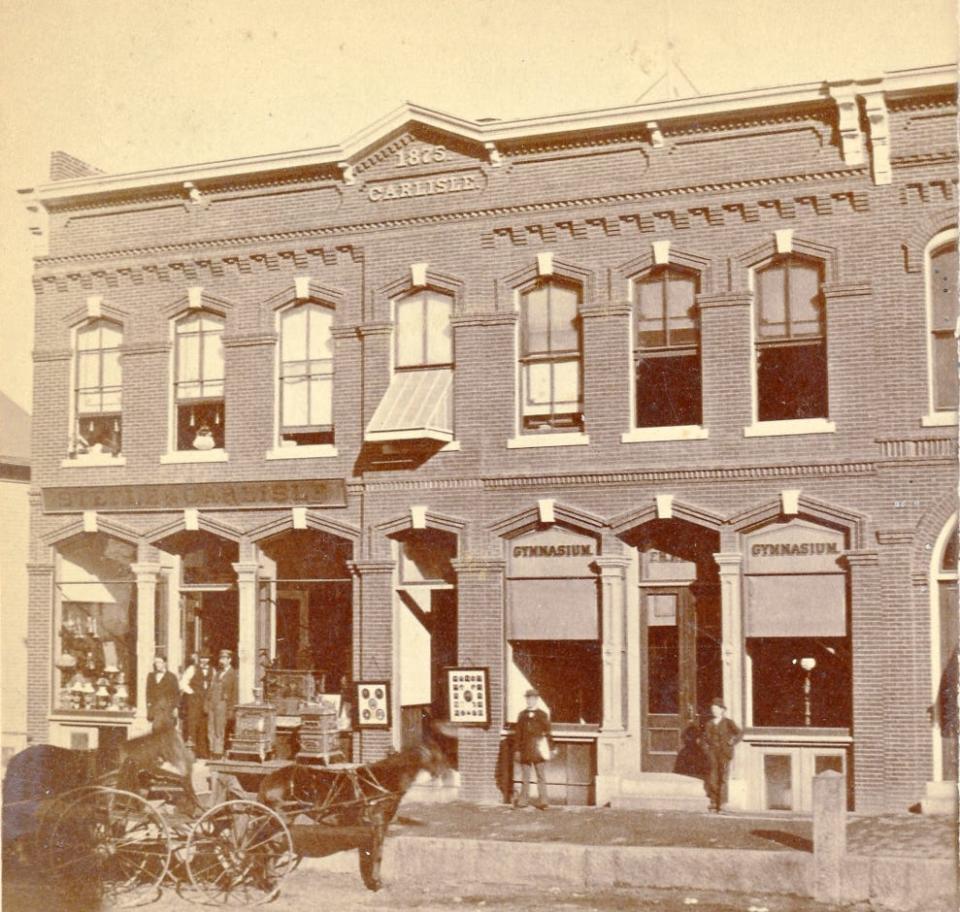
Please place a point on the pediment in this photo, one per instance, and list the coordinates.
(417, 151)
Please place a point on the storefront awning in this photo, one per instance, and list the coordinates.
(418, 405)
(553, 609)
(809, 605)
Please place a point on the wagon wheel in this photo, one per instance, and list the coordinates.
(48, 816)
(238, 852)
(112, 842)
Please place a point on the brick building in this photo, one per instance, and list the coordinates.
(639, 406)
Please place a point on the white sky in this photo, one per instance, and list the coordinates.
(136, 84)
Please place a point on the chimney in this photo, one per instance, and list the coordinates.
(66, 167)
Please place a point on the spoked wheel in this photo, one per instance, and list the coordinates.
(237, 854)
(112, 842)
(45, 836)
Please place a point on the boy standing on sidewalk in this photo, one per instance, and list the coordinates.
(720, 735)
(533, 749)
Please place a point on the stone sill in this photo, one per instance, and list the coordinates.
(676, 432)
(529, 441)
(188, 456)
(790, 428)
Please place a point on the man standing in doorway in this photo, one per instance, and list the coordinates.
(195, 682)
(533, 749)
(221, 699)
(163, 692)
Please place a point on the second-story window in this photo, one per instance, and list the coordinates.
(423, 335)
(942, 270)
(306, 375)
(791, 340)
(551, 355)
(98, 388)
(198, 384)
(667, 349)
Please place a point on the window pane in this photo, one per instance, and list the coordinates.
(293, 332)
(111, 336)
(792, 382)
(88, 337)
(88, 403)
(111, 368)
(213, 356)
(294, 393)
(212, 389)
(563, 319)
(188, 358)
(111, 400)
(650, 314)
(321, 341)
(211, 323)
(88, 369)
(566, 385)
(805, 306)
(944, 371)
(410, 331)
(771, 308)
(681, 291)
(321, 401)
(189, 324)
(535, 317)
(668, 391)
(778, 782)
(943, 288)
(538, 385)
(439, 334)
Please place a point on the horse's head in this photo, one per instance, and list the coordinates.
(431, 758)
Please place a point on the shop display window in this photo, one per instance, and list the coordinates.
(791, 340)
(667, 349)
(801, 681)
(567, 674)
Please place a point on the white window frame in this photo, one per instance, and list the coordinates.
(667, 432)
(937, 576)
(281, 450)
(522, 439)
(935, 417)
(86, 459)
(787, 427)
(173, 456)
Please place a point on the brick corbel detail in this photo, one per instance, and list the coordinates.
(838, 291)
(610, 309)
(377, 328)
(53, 354)
(895, 536)
(725, 299)
(249, 341)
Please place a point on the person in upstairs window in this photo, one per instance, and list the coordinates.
(720, 736)
(533, 749)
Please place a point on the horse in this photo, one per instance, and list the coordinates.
(356, 804)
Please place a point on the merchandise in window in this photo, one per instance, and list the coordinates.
(199, 382)
(943, 324)
(424, 337)
(306, 375)
(667, 349)
(551, 356)
(791, 341)
(98, 389)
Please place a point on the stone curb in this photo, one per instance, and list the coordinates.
(886, 882)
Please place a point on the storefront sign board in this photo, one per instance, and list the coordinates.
(553, 552)
(795, 547)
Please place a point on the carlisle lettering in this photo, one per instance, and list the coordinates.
(429, 186)
(553, 551)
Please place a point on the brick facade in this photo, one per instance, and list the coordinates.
(596, 194)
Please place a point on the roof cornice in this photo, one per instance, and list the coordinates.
(896, 82)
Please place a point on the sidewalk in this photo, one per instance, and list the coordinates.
(897, 862)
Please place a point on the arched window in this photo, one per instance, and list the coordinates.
(98, 388)
(944, 624)
(791, 340)
(423, 336)
(942, 321)
(667, 349)
(198, 381)
(551, 355)
(306, 375)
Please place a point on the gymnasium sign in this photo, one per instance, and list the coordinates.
(551, 553)
(794, 547)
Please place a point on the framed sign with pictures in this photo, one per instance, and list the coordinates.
(468, 696)
(373, 704)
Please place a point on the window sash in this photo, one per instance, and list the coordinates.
(199, 368)
(550, 320)
(664, 311)
(789, 304)
(306, 369)
(98, 373)
(424, 337)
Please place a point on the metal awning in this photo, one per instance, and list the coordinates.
(418, 405)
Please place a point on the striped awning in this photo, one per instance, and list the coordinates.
(418, 405)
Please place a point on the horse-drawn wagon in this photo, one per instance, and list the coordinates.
(128, 832)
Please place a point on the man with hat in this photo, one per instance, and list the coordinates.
(720, 736)
(194, 683)
(533, 748)
(220, 700)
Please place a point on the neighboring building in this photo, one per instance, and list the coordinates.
(14, 550)
(639, 406)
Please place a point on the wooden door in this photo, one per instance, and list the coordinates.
(668, 674)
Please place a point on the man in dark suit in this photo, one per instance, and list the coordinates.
(720, 736)
(220, 701)
(163, 690)
(195, 682)
(533, 746)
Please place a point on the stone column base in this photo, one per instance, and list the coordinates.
(940, 798)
